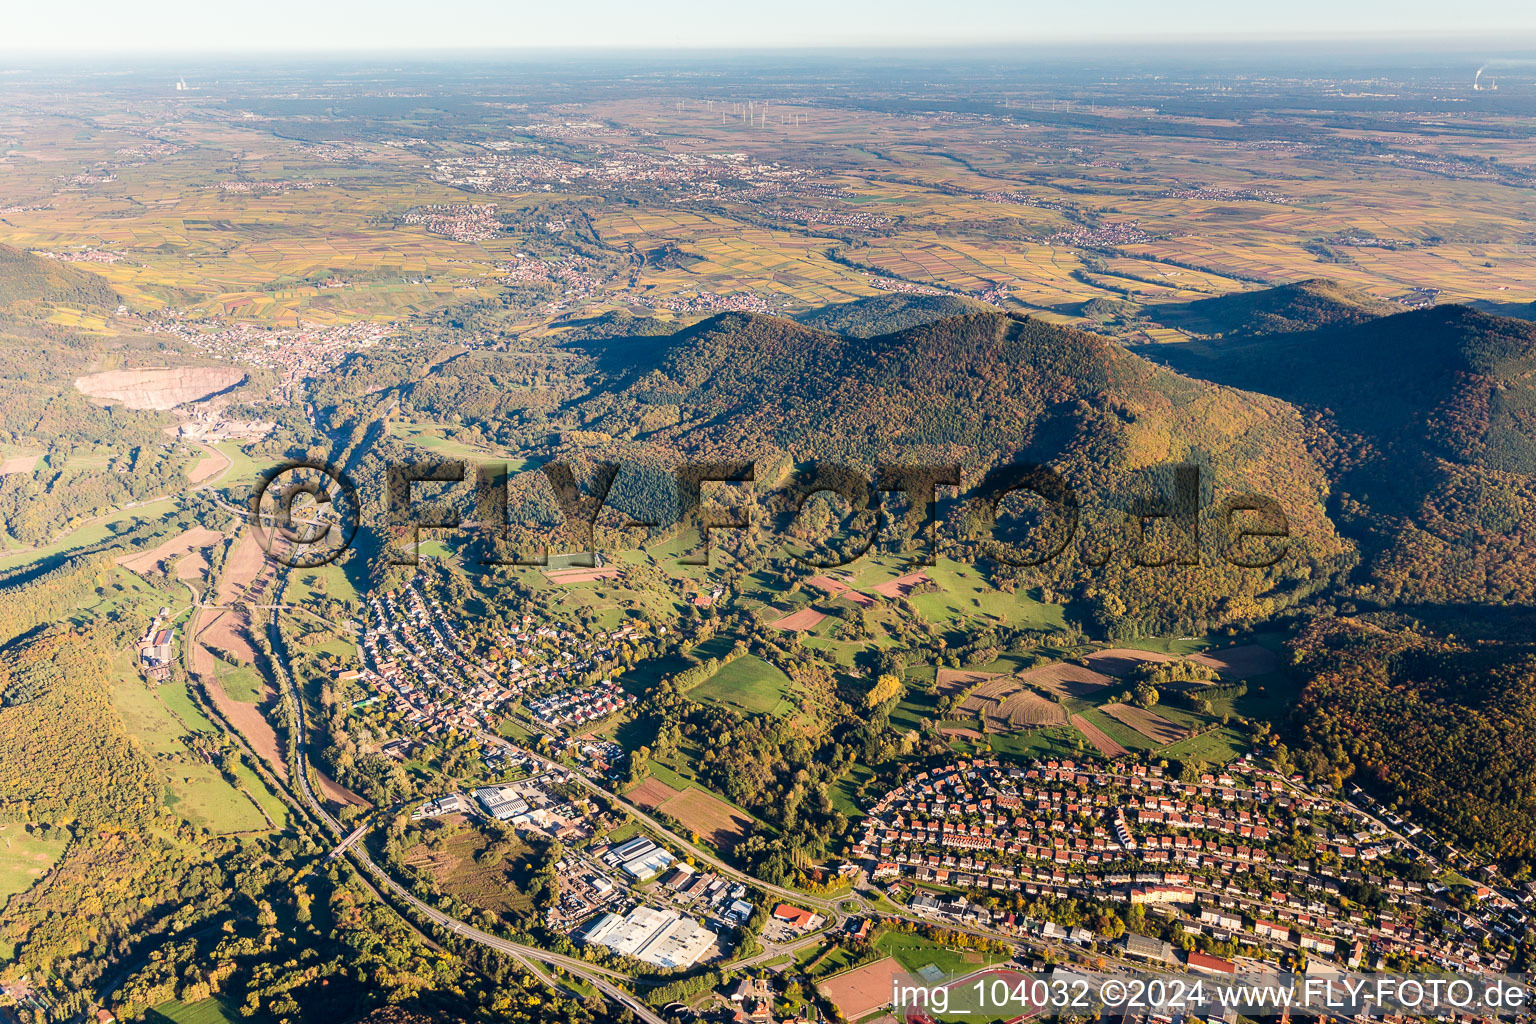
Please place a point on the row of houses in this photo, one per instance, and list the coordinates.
(1127, 833)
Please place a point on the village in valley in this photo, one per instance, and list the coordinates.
(578, 757)
(1052, 864)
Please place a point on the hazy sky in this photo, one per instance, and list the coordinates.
(166, 25)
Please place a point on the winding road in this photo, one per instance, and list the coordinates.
(602, 979)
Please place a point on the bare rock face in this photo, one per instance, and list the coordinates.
(161, 387)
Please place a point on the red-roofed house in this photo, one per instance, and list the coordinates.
(795, 917)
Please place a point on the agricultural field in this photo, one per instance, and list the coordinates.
(697, 810)
(1066, 679)
(748, 683)
(213, 1010)
(802, 621)
(1120, 662)
(163, 555)
(1269, 698)
(955, 680)
(1217, 746)
(968, 218)
(836, 588)
(18, 459)
(26, 856)
(651, 793)
(953, 595)
(224, 629)
(255, 256)
(341, 264)
(1000, 707)
(195, 788)
(1247, 661)
(671, 788)
(1150, 724)
(1106, 745)
(87, 533)
(1007, 705)
(432, 439)
(242, 684)
(245, 467)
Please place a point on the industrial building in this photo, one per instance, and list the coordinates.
(647, 865)
(501, 803)
(453, 803)
(663, 938)
(641, 859)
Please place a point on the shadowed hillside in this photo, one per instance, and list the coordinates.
(1430, 417)
(1304, 306)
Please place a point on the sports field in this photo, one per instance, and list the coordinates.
(914, 952)
(863, 990)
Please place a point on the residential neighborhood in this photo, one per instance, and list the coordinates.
(1242, 857)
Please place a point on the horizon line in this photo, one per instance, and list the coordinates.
(1443, 38)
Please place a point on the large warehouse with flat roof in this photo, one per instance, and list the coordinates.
(664, 938)
(501, 802)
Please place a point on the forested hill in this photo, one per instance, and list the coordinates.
(1303, 306)
(1443, 730)
(1450, 377)
(883, 314)
(24, 277)
(1433, 416)
(979, 390)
